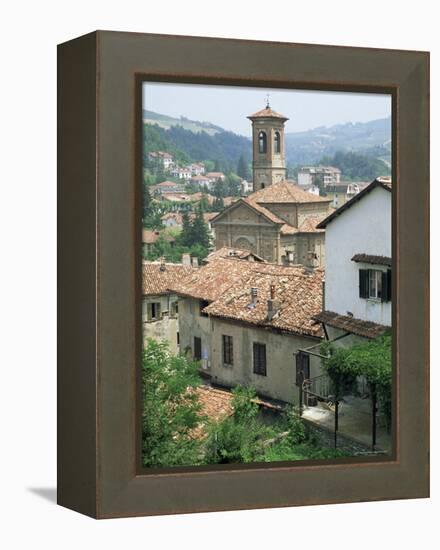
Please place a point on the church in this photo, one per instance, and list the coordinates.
(278, 221)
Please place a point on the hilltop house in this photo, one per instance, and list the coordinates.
(165, 159)
(167, 187)
(159, 305)
(327, 175)
(245, 320)
(358, 265)
(340, 193)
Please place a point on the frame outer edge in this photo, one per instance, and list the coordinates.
(77, 222)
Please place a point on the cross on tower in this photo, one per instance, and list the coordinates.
(267, 101)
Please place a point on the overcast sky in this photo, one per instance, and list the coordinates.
(228, 106)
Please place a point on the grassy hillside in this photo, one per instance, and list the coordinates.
(166, 122)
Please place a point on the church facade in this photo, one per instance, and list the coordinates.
(278, 221)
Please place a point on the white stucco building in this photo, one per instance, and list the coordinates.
(358, 262)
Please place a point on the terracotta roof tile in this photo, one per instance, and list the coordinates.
(226, 252)
(372, 259)
(285, 191)
(267, 112)
(227, 284)
(155, 281)
(366, 329)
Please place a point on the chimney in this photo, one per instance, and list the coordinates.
(273, 307)
(186, 259)
(195, 261)
(162, 264)
(254, 295)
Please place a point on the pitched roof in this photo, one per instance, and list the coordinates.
(372, 259)
(227, 283)
(366, 329)
(384, 183)
(267, 112)
(241, 254)
(216, 404)
(149, 236)
(157, 277)
(285, 192)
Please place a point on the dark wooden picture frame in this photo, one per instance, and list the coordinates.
(99, 341)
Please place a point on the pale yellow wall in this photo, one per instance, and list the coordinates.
(166, 327)
(281, 366)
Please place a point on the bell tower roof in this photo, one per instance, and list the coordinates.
(267, 112)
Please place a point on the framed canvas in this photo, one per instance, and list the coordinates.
(256, 285)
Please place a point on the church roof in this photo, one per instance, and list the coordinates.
(267, 112)
(285, 192)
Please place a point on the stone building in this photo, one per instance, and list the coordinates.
(277, 223)
(246, 320)
(159, 305)
(269, 161)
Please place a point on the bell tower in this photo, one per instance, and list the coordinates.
(269, 162)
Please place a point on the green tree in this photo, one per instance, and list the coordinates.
(151, 215)
(186, 236)
(200, 234)
(243, 168)
(218, 204)
(171, 409)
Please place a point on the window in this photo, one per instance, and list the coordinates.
(260, 359)
(153, 311)
(277, 142)
(177, 338)
(375, 284)
(262, 142)
(174, 309)
(197, 348)
(228, 350)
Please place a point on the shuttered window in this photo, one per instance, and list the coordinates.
(260, 359)
(375, 284)
(228, 350)
(197, 348)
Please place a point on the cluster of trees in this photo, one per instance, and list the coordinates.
(194, 239)
(357, 167)
(172, 417)
(225, 147)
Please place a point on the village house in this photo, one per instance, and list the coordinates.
(151, 236)
(167, 187)
(181, 173)
(159, 306)
(164, 158)
(197, 169)
(327, 175)
(226, 252)
(358, 265)
(245, 321)
(201, 181)
(215, 176)
(340, 193)
(278, 220)
(246, 187)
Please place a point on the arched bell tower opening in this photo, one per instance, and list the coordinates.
(269, 162)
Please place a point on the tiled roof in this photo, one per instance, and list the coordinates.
(372, 259)
(227, 284)
(267, 113)
(157, 277)
(149, 236)
(309, 225)
(215, 404)
(250, 200)
(176, 197)
(385, 183)
(226, 252)
(367, 329)
(285, 192)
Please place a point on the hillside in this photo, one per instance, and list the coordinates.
(371, 138)
(224, 148)
(166, 122)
